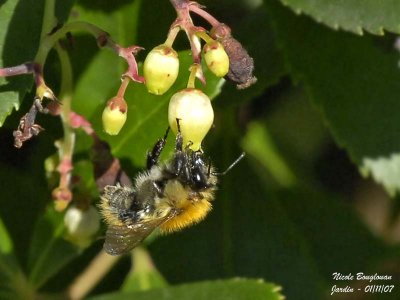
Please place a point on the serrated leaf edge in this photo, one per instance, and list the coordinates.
(298, 77)
(359, 30)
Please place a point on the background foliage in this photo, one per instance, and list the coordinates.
(323, 113)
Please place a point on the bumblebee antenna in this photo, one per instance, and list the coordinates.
(231, 166)
(209, 168)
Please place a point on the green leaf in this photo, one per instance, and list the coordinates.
(328, 224)
(8, 266)
(385, 170)
(24, 191)
(143, 275)
(9, 100)
(49, 252)
(234, 289)
(352, 15)
(297, 129)
(12, 280)
(24, 187)
(63, 9)
(354, 81)
(6, 246)
(319, 217)
(154, 20)
(18, 43)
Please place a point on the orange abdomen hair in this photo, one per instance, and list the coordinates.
(189, 214)
(189, 209)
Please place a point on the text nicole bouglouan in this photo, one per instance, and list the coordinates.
(362, 283)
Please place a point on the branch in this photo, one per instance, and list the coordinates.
(92, 275)
(178, 4)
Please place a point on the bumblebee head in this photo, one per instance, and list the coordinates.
(200, 172)
(190, 167)
(187, 165)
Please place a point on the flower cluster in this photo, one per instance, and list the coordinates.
(223, 55)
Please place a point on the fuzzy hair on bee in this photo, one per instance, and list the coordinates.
(169, 196)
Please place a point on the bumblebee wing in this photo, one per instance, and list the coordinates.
(121, 239)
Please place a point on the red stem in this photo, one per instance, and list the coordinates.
(122, 88)
(128, 54)
(179, 4)
(205, 15)
(26, 68)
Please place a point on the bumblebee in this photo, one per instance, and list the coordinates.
(168, 196)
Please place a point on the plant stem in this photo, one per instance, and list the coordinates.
(66, 146)
(92, 275)
(185, 22)
(49, 21)
(22, 287)
(26, 68)
(49, 18)
(177, 4)
(204, 36)
(205, 15)
(66, 97)
(122, 88)
(48, 42)
(192, 77)
(173, 32)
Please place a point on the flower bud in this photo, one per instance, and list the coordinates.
(114, 115)
(81, 224)
(216, 58)
(161, 68)
(62, 197)
(43, 91)
(193, 109)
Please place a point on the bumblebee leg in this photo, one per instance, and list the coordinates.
(179, 138)
(154, 154)
(179, 167)
(189, 144)
(180, 158)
